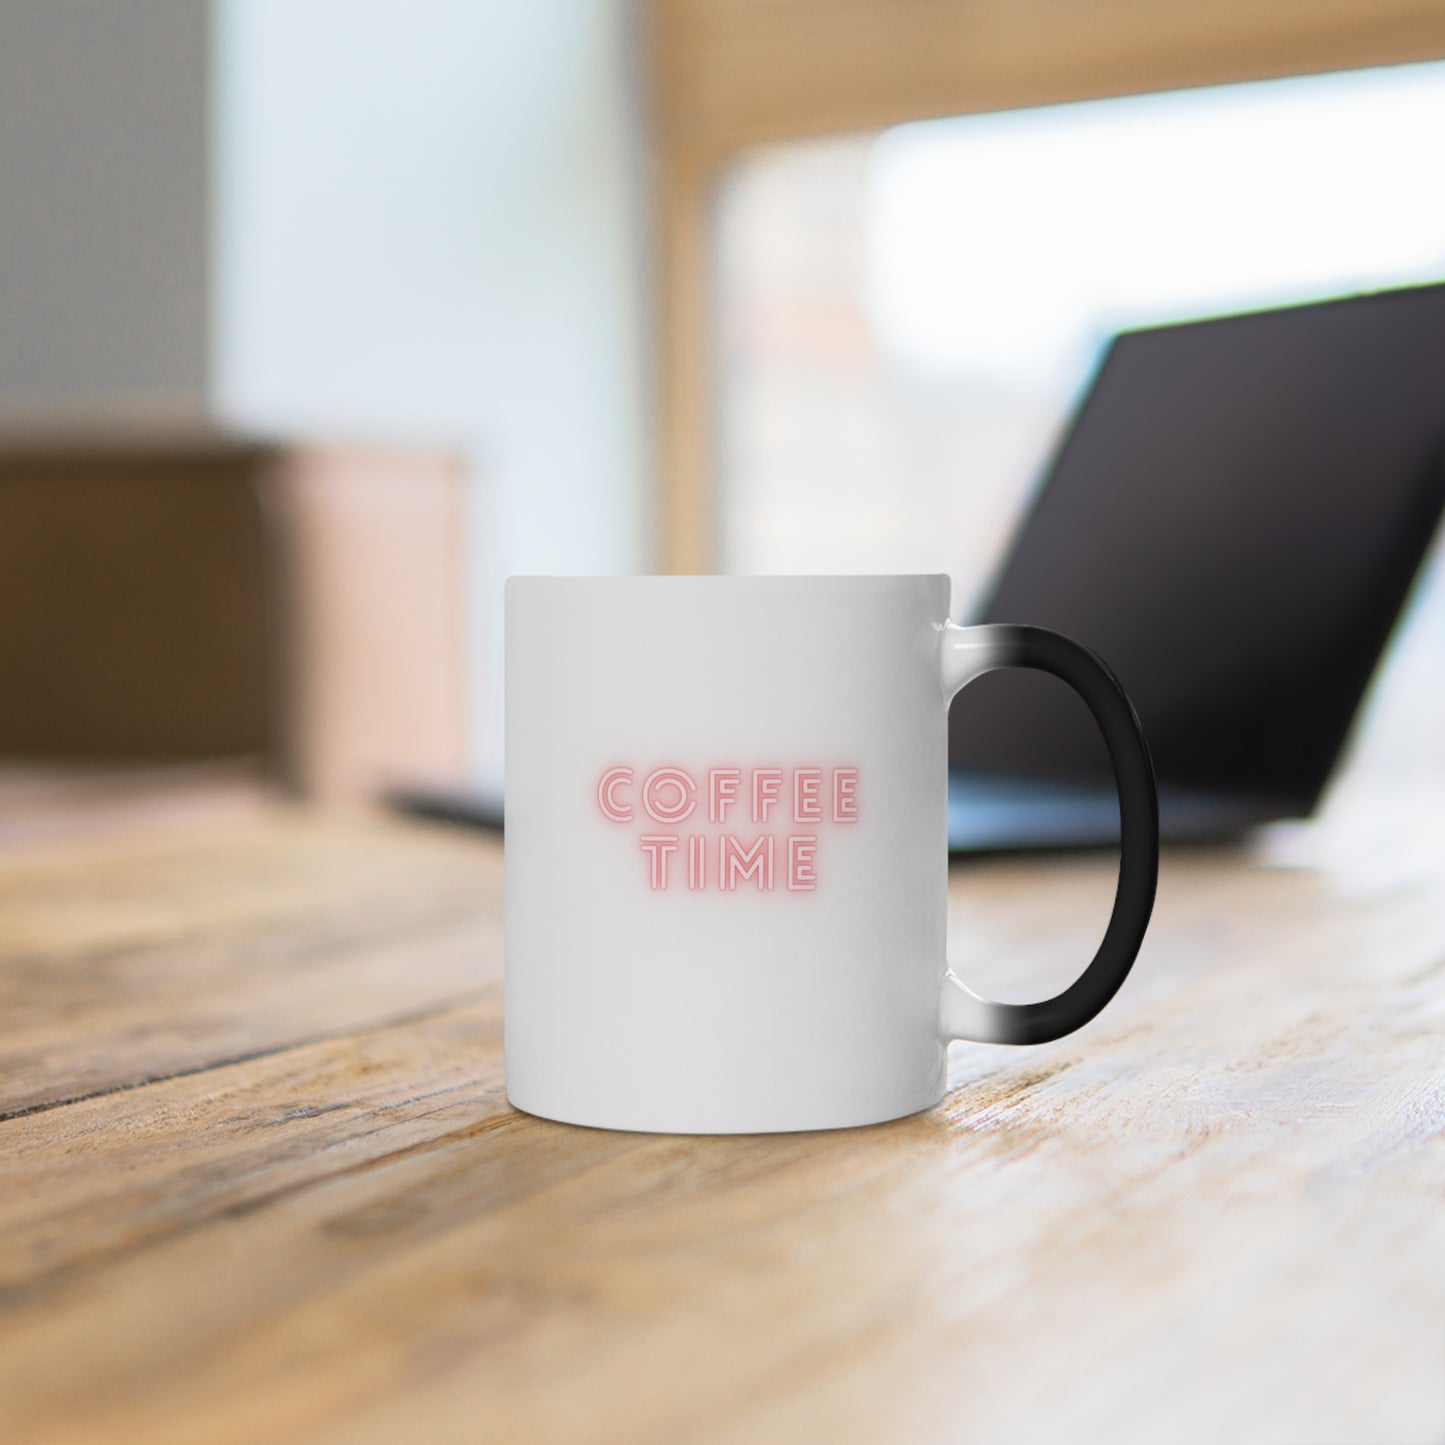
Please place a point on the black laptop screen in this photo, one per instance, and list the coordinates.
(1232, 522)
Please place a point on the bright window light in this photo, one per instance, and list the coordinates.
(1020, 241)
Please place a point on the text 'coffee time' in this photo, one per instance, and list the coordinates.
(755, 826)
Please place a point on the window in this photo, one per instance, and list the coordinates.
(906, 320)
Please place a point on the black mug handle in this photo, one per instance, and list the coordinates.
(969, 652)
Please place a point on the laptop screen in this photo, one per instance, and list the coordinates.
(1232, 522)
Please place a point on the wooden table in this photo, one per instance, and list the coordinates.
(259, 1179)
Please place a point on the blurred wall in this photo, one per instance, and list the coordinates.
(341, 221)
(429, 225)
(103, 237)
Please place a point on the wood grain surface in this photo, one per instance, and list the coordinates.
(259, 1179)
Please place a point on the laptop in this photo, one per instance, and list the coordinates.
(1233, 521)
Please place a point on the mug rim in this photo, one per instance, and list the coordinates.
(676, 578)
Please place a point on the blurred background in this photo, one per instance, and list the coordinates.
(318, 319)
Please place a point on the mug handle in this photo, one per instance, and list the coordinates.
(969, 652)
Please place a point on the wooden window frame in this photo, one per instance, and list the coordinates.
(729, 75)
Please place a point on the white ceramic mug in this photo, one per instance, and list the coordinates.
(726, 863)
